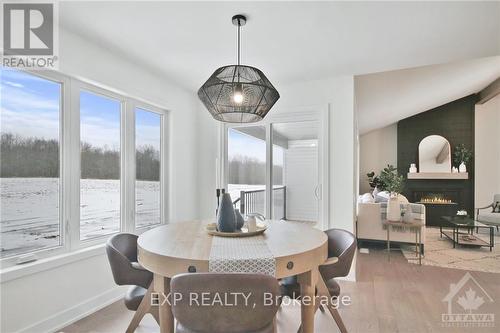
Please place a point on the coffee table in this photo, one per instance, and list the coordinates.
(457, 223)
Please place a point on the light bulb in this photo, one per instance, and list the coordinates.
(238, 94)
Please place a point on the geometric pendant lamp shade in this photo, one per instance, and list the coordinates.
(238, 94)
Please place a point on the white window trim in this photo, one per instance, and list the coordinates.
(69, 175)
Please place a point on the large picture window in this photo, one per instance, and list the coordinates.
(148, 163)
(99, 165)
(30, 157)
(73, 167)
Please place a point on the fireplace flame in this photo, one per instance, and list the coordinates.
(436, 200)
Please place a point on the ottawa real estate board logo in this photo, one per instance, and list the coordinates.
(467, 302)
(30, 35)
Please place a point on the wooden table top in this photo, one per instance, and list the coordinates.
(174, 248)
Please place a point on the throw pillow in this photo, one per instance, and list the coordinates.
(496, 207)
(367, 198)
(382, 197)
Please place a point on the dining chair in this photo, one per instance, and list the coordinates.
(341, 250)
(249, 313)
(122, 255)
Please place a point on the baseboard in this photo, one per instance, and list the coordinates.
(67, 317)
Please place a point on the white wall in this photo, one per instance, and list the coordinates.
(487, 152)
(376, 149)
(45, 300)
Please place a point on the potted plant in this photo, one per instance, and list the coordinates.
(461, 157)
(393, 183)
(374, 181)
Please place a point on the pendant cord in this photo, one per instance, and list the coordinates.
(239, 27)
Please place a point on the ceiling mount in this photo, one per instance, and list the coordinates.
(239, 20)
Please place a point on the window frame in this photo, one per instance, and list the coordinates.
(70, 166)
(164, 198)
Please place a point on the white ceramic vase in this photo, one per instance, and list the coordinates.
(413, 168)
(393, 208)
(462, 167)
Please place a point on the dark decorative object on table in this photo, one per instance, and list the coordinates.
(240, 221)
(226, 218)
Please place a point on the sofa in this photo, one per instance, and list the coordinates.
(486, 214)
(369, 224)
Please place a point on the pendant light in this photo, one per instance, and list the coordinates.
(238, 93)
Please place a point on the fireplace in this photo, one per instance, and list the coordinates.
(438, 202)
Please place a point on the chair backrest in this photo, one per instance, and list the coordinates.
(496, 198)
(122, 251)
(341, 244)
(248, 311)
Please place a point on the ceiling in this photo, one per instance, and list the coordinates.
(289, 41)
(385, 98)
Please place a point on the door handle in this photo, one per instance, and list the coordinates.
(317, 191)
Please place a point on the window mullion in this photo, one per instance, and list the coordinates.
(128, 167)
(71, 160)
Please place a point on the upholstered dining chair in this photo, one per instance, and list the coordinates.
(122, 255)
(238, 315)
(341, 250)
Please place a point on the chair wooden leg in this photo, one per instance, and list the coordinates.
(143, 308)
(338, 319)
(323, 290)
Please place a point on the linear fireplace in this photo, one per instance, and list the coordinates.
(438, 203)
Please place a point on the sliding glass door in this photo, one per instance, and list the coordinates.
(274, 169)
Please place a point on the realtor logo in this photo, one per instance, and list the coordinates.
(30, 34)
(465, 299)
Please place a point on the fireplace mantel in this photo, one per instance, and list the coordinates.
(438, 175)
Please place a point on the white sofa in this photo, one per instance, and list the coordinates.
(369, 224)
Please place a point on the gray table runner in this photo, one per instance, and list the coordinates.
(241, 255)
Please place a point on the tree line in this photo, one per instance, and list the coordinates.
(37, 157)
(250, 171)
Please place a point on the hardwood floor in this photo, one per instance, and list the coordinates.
(387, 297)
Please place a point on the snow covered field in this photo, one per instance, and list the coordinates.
(29, 210)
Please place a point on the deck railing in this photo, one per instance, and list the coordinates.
(253, 201)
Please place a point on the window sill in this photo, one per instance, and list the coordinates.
(19, 271)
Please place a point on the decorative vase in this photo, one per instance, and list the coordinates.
(413, 168)
(251, 223)
(454, 170)
(240, 221)
(393, 209)
(462, 167)
(226, 219)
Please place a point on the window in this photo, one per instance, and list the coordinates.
(147, 167)
(30, 157)
(246, 156)
(74, 169)
(99, 165)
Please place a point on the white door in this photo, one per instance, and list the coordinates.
(295, 171)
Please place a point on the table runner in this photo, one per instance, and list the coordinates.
(241, 255)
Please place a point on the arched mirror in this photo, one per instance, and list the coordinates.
(434, 154)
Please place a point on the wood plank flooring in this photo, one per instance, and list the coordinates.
(387, 297)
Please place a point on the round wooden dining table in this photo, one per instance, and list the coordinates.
(183, 247)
